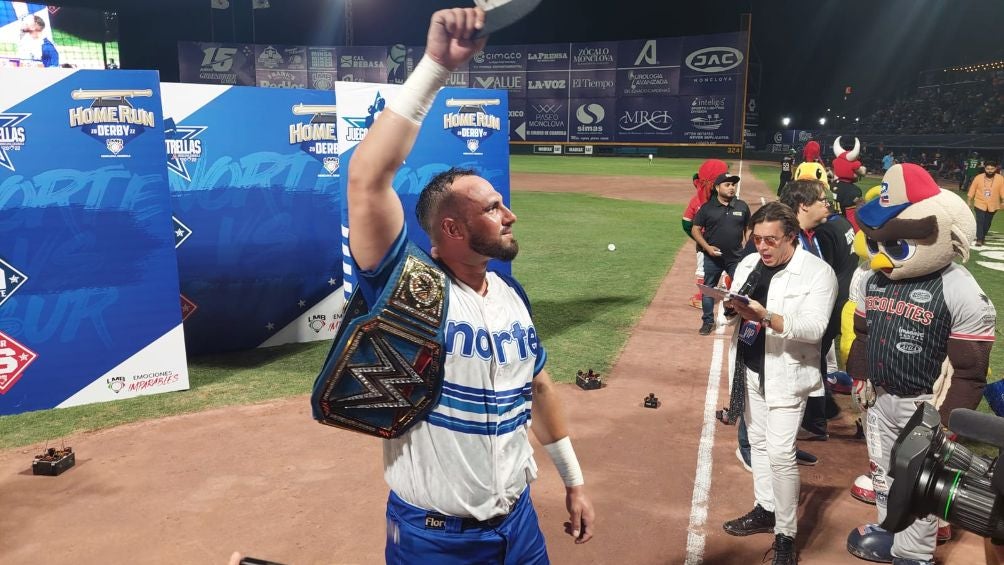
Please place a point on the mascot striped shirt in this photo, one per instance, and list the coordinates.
(471, 455)
(910, 322)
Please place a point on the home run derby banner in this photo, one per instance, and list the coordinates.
(676, 90)
(464, 128)
(254, 186)
(88, 275)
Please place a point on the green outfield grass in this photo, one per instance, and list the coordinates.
(581, 165)
(586, 299)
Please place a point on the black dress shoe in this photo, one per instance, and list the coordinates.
(784, 550)
(756, 521)
(706, 328)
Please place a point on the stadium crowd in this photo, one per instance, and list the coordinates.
(970, 107)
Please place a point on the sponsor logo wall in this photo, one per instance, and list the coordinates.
(89, 306)
(665, 72)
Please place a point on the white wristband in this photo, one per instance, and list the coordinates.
(418, 92)
(563, 457)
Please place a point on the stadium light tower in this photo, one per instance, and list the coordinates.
(822, 121)
(785, 121)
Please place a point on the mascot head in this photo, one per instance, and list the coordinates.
(704, 180)
(846, 166)
(810, 170)
(914, 227)
(811, 152)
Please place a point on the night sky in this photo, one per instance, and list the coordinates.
(804, 53)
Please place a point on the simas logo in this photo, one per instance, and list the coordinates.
(470, 122)
(12, 137)
(593, 55)
(116, 384)
(359, 126)
(317, 322)
(590, 117)
(507, 81)
(111, 119)
(11, 280)
(654, 120)
(546, 84)
(14, 360)
(183, 147)
(714, 59)
(270, 58)
(319, 136)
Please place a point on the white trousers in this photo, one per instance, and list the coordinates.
(772, 432)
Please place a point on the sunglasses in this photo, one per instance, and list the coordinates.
(770, 240)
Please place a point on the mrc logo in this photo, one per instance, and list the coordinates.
(714, 59)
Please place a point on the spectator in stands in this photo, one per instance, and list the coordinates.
(888, 161)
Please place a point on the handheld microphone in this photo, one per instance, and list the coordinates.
(750, 284)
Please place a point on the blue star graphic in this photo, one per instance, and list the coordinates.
(181, 133)
(9, 121)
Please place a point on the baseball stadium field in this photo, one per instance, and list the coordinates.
(236, 462)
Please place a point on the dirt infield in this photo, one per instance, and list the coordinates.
(266, 479)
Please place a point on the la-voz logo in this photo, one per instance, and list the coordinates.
(183, 147)
(470, 122)
(318, 137)
(11, 280)
(714, 59)
(111, 119)
(12, 137)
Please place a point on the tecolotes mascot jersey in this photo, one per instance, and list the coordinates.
(917, 308)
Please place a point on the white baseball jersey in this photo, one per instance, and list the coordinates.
(471, 455)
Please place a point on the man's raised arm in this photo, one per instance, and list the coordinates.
(375, 212)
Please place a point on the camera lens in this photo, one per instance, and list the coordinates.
(966, 500)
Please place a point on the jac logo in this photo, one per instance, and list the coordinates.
(714, 59)
(219, 59)
(545, 84)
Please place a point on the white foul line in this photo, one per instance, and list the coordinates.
(702, 477)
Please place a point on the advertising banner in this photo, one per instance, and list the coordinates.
(494, 58)
(647, 82)
(254, 177)
(706, 119)
(517, 119)
(547, 84)
(397, 64)
(547, 119)
(362, 64)
(321, 59)
(512, 81)
(647, 120)
(592, 119)
(593, 55)
(713, 64)
(649, 53)
(89, 306)
(464, 128)
(593, 84)
(216, 63)
(282, 66)
(547, 57)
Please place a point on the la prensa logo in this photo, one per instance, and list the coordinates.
(317, 137)
(111, 119)
(470, 122)
(12, 137)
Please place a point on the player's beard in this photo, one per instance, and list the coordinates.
(497, 249)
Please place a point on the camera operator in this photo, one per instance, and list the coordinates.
(917, 307)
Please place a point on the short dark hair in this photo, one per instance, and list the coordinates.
(776, 212)
(435, 195)
(990, 162)
(799, 192)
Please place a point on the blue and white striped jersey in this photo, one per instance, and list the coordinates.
(471, 455)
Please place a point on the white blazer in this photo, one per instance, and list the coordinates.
(803, 293)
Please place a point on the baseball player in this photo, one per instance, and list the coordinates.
(460, 477)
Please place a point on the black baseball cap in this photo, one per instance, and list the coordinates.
(725, 177)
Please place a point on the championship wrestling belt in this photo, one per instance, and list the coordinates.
(385, 369)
